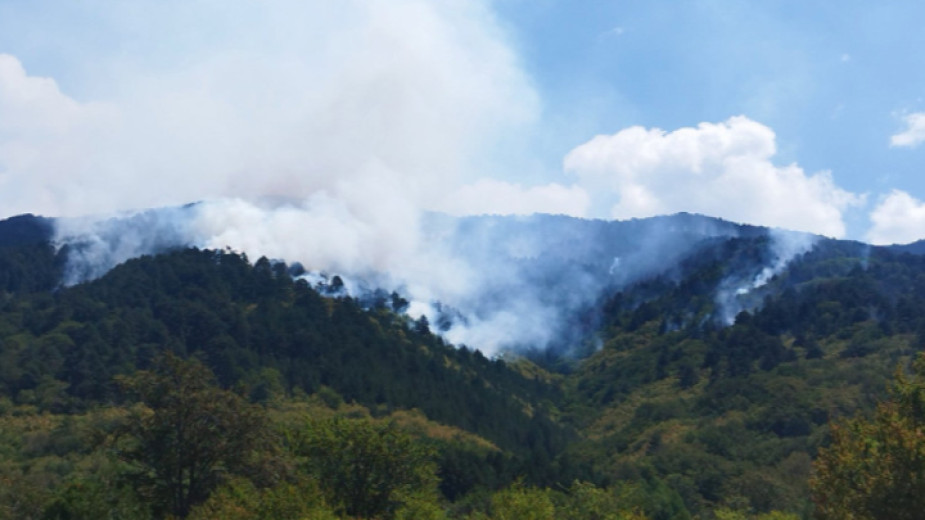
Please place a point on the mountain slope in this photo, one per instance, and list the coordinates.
(243, 320)
(735, 414)
(698, 357)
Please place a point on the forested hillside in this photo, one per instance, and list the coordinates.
(671, 411)
(736, 414)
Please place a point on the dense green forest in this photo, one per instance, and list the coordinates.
(199, 384)
(735, 415)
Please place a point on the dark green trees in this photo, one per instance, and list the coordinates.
(875, 468)
(186, 434)
(367, 469)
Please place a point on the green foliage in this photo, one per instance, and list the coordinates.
(674, 416)
(20, 496)
(98, 492)
(729, 514)
(584, 501)
(581, 501)
(421, 506)
(875, 468)
(253, 325)
(239, 499)
(734, 414)
(186, 435)
(522, 503)
(269, 337)
(364, 468)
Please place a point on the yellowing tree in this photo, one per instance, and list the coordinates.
(875, 468)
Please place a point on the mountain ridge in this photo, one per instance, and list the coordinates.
(528, 279)
(702, 400)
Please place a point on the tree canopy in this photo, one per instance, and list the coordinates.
(874, 468)
(186, 435)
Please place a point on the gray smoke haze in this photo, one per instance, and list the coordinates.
(492, 283)
(97, 244)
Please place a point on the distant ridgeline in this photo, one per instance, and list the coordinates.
(558, 273)
(531, 283)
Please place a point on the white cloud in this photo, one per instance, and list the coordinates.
(719, 169)
(489, 196)
(914, 133)
(899, 218)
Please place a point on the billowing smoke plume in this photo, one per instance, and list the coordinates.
(488, 282)
(326, 133)
(377, 104)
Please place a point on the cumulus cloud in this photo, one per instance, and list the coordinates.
(899, 218)
(914, 133)
(490, 196)
(720, 169)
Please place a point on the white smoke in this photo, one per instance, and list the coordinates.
(312, 131)
(492, 283)
(323, 132)
(278, 98)
(735, 295)
(97, 244)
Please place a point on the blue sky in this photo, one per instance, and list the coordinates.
(804, 115)
(833, 80)
(827, 77)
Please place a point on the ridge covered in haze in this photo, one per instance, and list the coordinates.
(677, 388)
(491, 282)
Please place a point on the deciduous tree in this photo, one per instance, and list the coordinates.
(368, 469)
(186, 434)
(875, 468)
